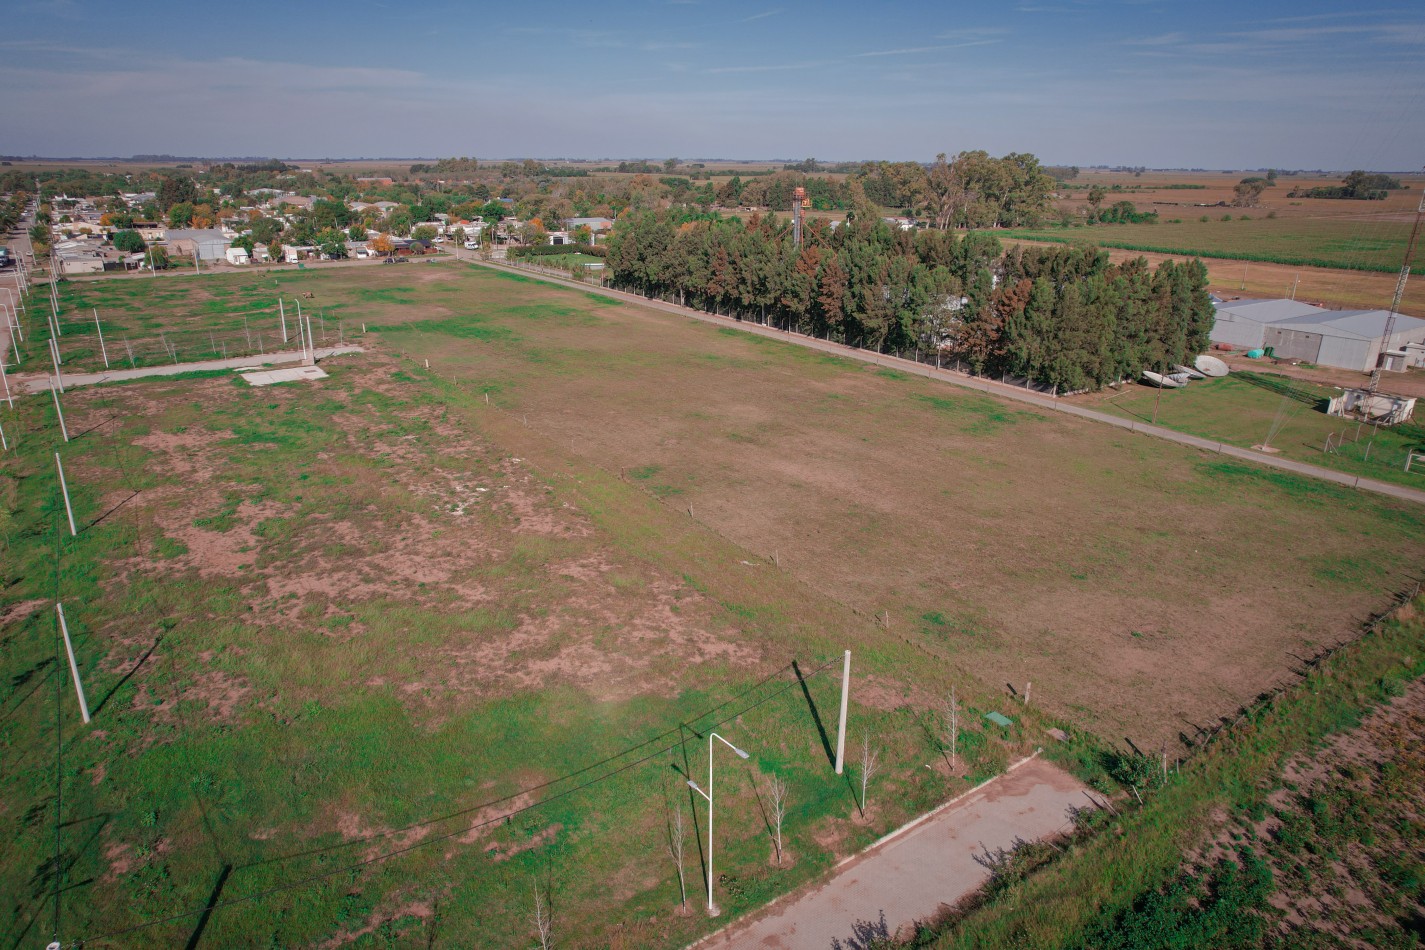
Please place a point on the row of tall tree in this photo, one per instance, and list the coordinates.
(1063, 316)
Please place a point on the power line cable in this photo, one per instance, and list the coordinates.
(533, 788)
(375, 859)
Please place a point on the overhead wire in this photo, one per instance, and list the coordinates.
(424, 842)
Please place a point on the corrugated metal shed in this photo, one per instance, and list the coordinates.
(1241, 322)
(1346, 339)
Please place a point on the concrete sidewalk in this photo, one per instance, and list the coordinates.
(41, 384)
(908, 875)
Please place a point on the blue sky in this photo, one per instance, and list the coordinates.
(1139, 82)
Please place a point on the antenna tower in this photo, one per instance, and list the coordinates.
(799, 201)
(1382, 357)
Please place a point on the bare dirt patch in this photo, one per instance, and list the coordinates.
(19, 611)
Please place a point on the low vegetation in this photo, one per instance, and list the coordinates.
(1298, 826)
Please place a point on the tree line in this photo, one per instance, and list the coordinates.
(1063, 317)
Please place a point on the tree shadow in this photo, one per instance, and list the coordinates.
(761, 806)
(126, 677)
(815, 714)
(865, 935)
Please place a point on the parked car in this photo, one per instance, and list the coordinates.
(472, 245)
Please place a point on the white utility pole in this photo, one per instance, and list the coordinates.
(845, 695)
(282, 312)
(60, 412)
(102, 348)
(73, 666)
(54, 355)
(64, 487)
(712, 908)
(6, 381)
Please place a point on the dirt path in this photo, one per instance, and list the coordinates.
(981, 384)
(908, 875)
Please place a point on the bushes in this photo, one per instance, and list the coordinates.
(554, 250)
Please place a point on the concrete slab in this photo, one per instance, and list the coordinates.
(293, 375)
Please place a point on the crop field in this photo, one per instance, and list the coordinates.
(1288, 415)
(320, 624)
(1351, 243)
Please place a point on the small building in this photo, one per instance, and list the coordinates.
(1377, 408)
(238, 255)
(207, 244)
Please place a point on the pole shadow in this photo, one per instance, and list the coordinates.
(126, 677)
(213, 899)
(687, 772)
(21, 679)
(101, 423)
(815, 715)
(96, 521)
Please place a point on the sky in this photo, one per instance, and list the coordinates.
(1232, 84)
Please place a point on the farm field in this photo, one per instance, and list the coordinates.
(1373, 242)
(1322, 286)
(672, 512)
(1245, 408)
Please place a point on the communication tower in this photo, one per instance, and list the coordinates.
(799, 201)
(1384, 356)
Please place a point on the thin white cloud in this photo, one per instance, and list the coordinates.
(654, 47)
(1162, 39)
(910, 50)
(762, 16)
(771, 68)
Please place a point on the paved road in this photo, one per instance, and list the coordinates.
(990, 386)
(41, 384)
(908, 876)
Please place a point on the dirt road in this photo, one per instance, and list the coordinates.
(908, 875)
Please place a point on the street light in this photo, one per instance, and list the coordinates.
(712, 908)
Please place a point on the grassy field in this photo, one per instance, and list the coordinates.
(1248, 409)
(923, 507)
(320, 625)
(1246, 234)
(1313, 796)
(313, 618)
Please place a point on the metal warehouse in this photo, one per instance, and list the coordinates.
(1345, 339)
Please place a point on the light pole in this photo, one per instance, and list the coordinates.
(712, 908)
